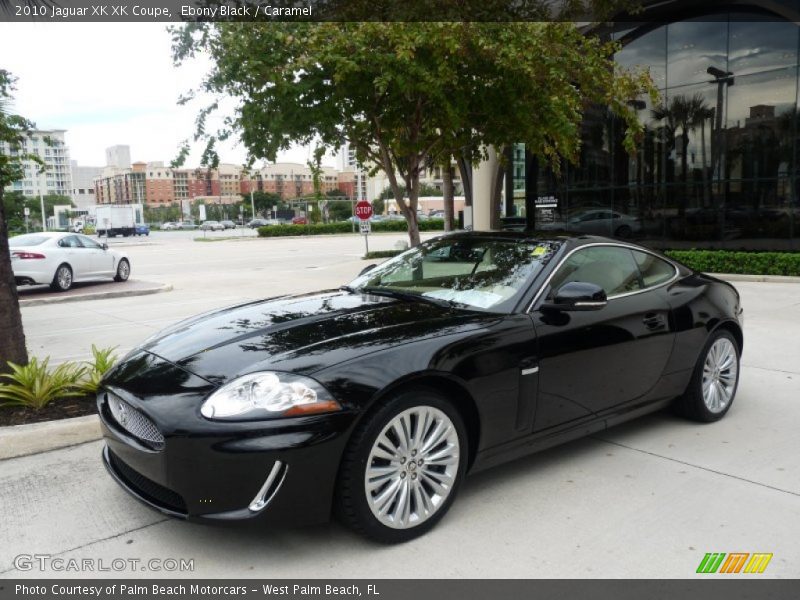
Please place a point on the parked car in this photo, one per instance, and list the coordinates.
(459, 354)
(77, 227)
(170, 226)
(212, 226)
(228, 224)
(299, 221)
(190, 225)
(142, 229)
(255, 223)
(63, 258)
(605, 222)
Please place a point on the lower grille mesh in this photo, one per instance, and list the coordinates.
(148, 489)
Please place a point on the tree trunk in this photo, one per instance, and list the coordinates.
(12, 336)
(497, 191)
(448, 193)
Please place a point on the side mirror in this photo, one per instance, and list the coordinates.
(577, 295)
(367, 269)
(105, 246)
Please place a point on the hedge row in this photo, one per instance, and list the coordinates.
(344, 227)
(749, 263)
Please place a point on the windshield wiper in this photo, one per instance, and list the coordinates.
(402, 295)
(347, 288)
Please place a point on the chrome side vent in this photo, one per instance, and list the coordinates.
(271, 486)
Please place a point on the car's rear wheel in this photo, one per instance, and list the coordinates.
(623, 231)
(62, 280)
(403, 466)
(123, 270)
(715, 379)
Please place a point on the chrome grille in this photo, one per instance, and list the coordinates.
(134, 422)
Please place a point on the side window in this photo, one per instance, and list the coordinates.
(69, 242)
(88, 242)
(612, 268)
(655, 271)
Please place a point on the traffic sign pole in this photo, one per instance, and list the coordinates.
(364, 213)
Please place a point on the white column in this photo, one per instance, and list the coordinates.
(482, 184)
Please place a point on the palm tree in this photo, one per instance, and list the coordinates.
(685, 114)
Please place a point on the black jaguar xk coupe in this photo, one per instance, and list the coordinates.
(374, 400)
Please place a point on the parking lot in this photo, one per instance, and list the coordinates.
(646, 499)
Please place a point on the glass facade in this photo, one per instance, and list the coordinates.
(718, 162)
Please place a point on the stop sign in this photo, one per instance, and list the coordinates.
(363, 210)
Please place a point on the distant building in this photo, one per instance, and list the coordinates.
(83, 179)
(56, 177)
(119, 156)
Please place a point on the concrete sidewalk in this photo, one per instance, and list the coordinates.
(39, 295)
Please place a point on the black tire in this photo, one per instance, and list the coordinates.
(62, 280)
(624, 232)
(123, 270)
(351, 503)
(692, 404)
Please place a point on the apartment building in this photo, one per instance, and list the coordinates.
(56, 175)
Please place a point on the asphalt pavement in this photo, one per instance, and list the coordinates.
(645, 499)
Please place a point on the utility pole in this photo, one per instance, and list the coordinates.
(44, 216)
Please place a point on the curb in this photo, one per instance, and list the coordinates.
(756, 278)
(164, 287)
(23, 440)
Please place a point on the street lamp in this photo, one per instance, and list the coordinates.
(721, 78)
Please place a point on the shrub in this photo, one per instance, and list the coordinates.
(345, 227)
(748, 263)
(382, 254)
(102, 360)
(34, 385)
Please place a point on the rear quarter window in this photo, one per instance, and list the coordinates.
(655, 270)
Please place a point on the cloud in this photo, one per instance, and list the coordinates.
(107, 84)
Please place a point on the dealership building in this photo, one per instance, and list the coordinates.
(718, 163)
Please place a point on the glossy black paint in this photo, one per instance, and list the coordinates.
(524, 381)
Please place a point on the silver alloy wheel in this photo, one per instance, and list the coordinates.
(64, 277)
(719, 375)
(123, 270)
(412, 467)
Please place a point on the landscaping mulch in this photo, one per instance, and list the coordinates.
(59, 409)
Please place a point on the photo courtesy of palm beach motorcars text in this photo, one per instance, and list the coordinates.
(443, 299)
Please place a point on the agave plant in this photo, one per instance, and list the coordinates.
(35, 385)
(102, 360)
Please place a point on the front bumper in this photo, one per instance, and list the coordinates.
(210, 471)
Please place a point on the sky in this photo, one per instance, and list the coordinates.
(109, 84)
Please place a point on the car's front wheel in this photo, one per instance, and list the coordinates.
(62, 280)
(403, 466)
(123, 270)
(715, 379)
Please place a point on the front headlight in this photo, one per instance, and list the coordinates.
(267, 395)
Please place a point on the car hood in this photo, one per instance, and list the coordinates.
(302, 334)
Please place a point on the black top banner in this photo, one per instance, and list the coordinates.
(582, 11)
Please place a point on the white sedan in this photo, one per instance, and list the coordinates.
(61, 258)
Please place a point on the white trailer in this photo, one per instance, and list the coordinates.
(118, 219)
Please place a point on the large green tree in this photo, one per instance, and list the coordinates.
(409, 94)
(14, 130)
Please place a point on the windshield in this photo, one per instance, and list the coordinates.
(480, 273)
(30, 239)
